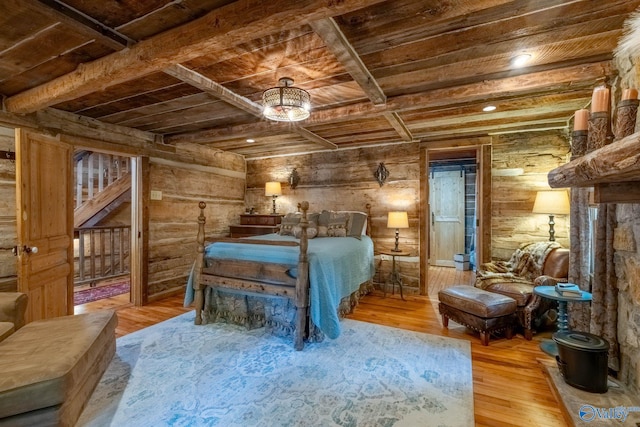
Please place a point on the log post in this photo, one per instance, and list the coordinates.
(302, 283)
(197, 277)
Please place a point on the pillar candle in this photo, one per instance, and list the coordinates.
(630, 94)
(580, 120)
(600, 99)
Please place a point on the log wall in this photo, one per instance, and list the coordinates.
(344, 180)
(216, 177)
(520, 163)
(8, 231)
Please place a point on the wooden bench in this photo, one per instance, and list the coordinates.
(482, 311)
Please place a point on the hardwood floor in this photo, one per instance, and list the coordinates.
(509, 386)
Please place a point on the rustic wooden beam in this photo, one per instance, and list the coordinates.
(314, 138)
(619, 192)
(80, 22)
(399, 125)
(337, 43)
(616, 162)
(220, 29)
(205, 84)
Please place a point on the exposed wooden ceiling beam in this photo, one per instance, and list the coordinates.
(220, 29)
(80, 22)
(399, 125)
(337, 43)
(207, 85)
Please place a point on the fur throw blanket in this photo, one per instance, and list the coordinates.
(525, 265)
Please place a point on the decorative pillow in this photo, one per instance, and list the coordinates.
(338, 225)
(289, 221)
(312, 230)
(357, 221)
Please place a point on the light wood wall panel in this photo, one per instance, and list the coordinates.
(8, 231)
(215, 177)
(519, 169)
(344, 180)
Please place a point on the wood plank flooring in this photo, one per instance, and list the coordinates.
(509, 386)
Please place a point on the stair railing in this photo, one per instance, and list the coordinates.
(102, 253)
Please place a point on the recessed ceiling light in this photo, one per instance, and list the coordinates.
(489, 108)
(521, 60)
(251, 140)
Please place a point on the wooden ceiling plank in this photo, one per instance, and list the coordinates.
(218, 30)
(337, 43)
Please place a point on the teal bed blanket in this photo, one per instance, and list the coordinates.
(337, 267)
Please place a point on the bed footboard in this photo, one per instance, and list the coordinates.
(254, 277)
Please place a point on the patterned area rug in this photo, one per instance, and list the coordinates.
(93, 294)
(178, 374)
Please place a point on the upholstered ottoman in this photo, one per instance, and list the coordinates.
(479, 310)
(49, 368)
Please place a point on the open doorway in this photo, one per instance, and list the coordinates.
(452, 203)
(469, 165)
(102, 230)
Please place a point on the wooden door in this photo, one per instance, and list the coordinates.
(45, 224)
(446, 194)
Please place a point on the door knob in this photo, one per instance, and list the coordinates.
(30, 250)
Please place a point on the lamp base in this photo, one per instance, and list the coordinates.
(552, 232)
(274, 205)
(395, 248)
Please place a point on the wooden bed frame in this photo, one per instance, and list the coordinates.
(257, 277)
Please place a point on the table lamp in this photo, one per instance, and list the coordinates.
(397, 220)
(552, 203)
(274, 190)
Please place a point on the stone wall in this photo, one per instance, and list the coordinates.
(627, 258)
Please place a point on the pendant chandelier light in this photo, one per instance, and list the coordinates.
(286, 103)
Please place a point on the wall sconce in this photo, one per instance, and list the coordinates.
(397, 220)
(551, 202)
(381, 174)
(273, 189)
(294, 179)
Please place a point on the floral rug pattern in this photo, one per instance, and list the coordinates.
(178, 374)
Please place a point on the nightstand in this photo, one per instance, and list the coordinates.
(256, 225)
(394, 276)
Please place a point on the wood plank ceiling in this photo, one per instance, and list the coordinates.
(378, 71)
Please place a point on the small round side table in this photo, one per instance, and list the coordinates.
(394, 276)
(549, 292)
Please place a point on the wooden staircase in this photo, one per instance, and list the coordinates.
(103, 183)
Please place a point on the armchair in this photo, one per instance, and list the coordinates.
(532, 264)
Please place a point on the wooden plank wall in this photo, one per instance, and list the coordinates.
(344, 180)
(520, 165)
(212, 176)
(8, 231)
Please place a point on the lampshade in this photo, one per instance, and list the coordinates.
(272, 189)
(286, 103)
(551, 202)
(397, 220)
